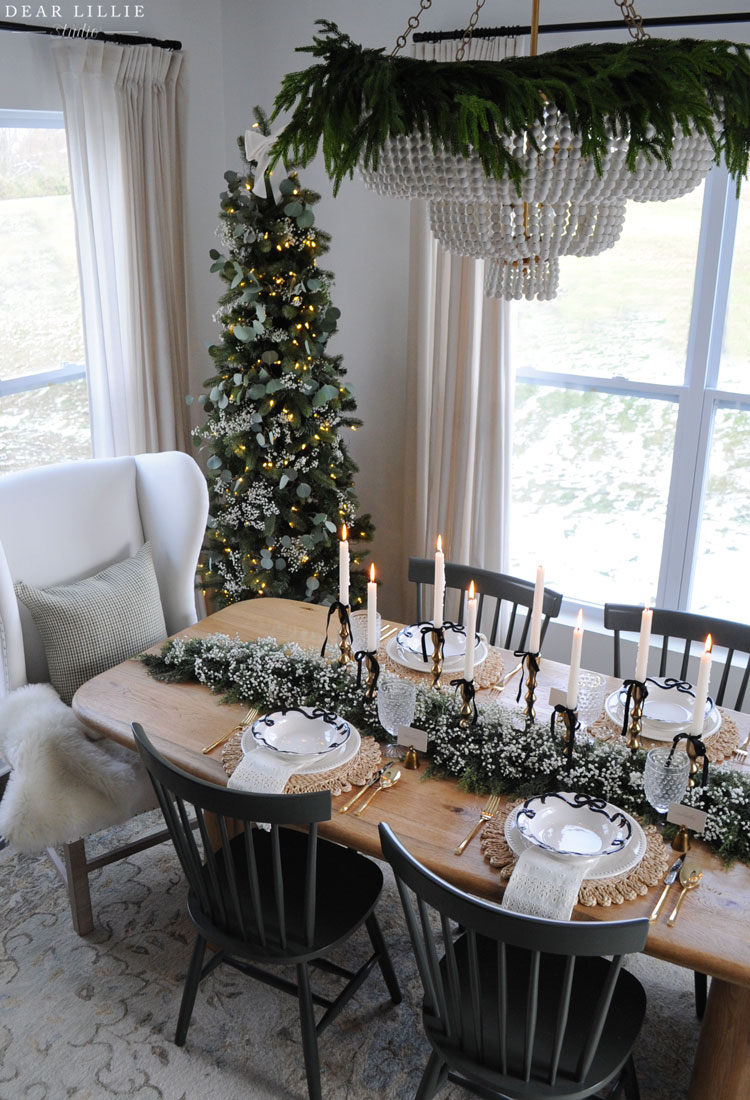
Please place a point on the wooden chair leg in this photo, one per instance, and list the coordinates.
(701, 992)
(79, 894)
(433, 1078)
(190, 990)
(309, 1033)
(384, 959)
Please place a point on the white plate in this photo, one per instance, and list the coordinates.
(300, 731)
(415, 662)
(410, 640)
(663, 719)
(318, 764)
(573, 826)
(613, 865)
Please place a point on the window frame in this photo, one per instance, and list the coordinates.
(11, 118)
(697, 397)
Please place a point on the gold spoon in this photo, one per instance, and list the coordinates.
(690, 877)
(389, 777)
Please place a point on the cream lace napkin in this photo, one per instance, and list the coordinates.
(543, 885)
(262, 773)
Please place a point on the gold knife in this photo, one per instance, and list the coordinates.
(669, 878)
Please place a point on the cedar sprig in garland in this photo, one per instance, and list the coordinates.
(494, 755)
(354, 98)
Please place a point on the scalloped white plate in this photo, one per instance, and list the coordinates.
(614, 865)
(318, 764)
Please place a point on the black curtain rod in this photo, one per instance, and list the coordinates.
(602, 25)
(95, 36)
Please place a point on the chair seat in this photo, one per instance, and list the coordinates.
(484, 1065)
(348, 886)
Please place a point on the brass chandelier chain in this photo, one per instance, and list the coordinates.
(633, 21)
(411, 26)
(469, 30)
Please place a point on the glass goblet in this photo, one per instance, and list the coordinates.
(358, 624)
(397, 699)
(592, 687)
(665, 780)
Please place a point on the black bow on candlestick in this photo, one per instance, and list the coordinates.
(432, 628)
(468, 700)
(343, 611)
(630, 686)
(698, 749)
(572, 725)
(362, 656)
(532, 662)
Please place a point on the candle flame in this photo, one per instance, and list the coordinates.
(372, 571)
(709, 644)
(471, 591)
(440, 543)
(344, 533)
(579, 620)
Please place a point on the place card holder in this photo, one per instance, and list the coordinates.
(689, 820)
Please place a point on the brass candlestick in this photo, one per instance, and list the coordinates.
(638, 693)
(531, 660)
(373, 672)
(468, 709)
(681, 842)
(438, 641)
(345, 634)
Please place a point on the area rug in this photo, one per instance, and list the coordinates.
(93, 1018)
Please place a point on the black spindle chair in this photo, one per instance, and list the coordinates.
(691, 630)
(494, 590)
(519, 1008)
(268, 898)
(683, 626)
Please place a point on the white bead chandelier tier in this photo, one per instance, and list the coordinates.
(517, 230)
(553, 168)
(516, 279)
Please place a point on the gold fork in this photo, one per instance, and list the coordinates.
(740, 753)
(251, 715)
(486, 814)
(501, 685)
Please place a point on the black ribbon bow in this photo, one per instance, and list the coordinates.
(572, 725)
(343, 611)
(431, 628)
(468, 694)
(530, 659)
(360, 657)
(698, 747)
(629, 685)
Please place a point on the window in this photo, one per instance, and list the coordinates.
(631, 465)
(44, 413)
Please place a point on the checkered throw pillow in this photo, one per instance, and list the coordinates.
(93, 624)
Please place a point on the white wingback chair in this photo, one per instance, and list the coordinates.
(61, 523)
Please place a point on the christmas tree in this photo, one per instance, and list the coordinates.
(280, 477)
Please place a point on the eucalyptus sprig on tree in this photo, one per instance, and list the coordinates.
(280, 476)
(354, 99)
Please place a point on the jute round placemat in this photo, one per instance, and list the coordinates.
(719, 746)
(611, 891)
(358, 771)
(485, 675)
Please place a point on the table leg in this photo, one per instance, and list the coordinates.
(722, 1060)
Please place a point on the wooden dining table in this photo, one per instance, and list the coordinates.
(431, 816)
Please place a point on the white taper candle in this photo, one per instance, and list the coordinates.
(372, 612)
(535, 631)
(644, 641)
(344, 567)
(471, 630)
(439, 584)
(701, 689)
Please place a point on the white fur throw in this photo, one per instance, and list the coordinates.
(62, 786)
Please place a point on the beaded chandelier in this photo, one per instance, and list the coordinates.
(525, 160)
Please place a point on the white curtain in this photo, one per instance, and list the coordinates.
(121, 119)
(460, 385)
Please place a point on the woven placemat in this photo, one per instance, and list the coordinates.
(719, 746)
(485, 675)
(611, 891)
(357, 771)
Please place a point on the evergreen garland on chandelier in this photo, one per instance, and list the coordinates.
(354, 99)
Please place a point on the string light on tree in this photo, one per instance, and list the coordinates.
(280, 477)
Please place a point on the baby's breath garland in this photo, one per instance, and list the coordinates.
(497, 754)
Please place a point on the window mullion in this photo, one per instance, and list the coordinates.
(695, 415)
